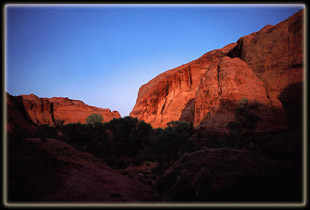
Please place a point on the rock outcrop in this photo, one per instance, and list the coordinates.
(26, 111)
(76, 111)
(17, 118)
(39, 110)
(275, 54)
(226, 174)
(205, 92)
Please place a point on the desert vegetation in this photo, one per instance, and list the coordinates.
(128, 141)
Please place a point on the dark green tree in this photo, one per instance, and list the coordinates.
(246, 119)
(59, 123)
(173, 141)
(94, 119)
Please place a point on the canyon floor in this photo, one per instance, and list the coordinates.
(53, 171)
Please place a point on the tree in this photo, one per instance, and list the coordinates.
(173, 141)
(59, 123)
(94, 119)
(245, 122)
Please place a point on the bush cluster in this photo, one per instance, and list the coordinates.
(128, 141)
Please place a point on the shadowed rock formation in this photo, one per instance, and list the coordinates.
(230, 175)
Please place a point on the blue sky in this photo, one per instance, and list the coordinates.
(103, 54)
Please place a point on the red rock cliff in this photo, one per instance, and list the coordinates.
(26, 110)
(206, 91)
(76, 111)
(17, 117)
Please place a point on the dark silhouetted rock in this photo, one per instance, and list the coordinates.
(230, 175)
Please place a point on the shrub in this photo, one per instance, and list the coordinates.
(18, 135)
(59, 123)
(46, 131)
(242, 129)
(169, 144)
(94, 119)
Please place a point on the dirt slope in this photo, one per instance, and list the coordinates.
(55, 171)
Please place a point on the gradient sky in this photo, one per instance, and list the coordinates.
(103, 54)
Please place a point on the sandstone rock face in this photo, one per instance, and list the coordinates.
(41, 111)
(76, 111)
(17, 116)
(275, 54)
(222, 87)
(205, 92)
(164, 98)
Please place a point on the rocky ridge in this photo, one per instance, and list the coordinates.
(26, 111)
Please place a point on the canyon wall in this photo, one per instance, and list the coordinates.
(265, 67)
(26, 111)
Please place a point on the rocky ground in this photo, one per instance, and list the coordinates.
(226, 174)
(53, 171)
